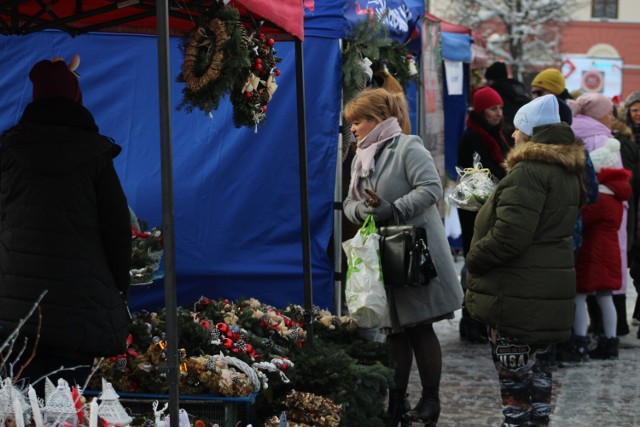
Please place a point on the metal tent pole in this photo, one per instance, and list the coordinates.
(170, 299)
(304, 192)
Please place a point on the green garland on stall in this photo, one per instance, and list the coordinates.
(370, 39)
(215, 55)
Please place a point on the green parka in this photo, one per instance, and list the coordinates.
(521, 278)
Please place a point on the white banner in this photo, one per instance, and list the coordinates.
(455, 76)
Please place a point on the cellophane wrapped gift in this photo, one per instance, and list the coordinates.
(474, 186)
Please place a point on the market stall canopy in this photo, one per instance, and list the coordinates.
(283, 18)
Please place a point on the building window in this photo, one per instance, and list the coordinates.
(604, 9)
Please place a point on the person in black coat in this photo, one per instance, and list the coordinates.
(484, 136)
(65, 235)
(512, 91)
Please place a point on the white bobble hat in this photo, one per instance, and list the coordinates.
(543, 110)
(606, 156)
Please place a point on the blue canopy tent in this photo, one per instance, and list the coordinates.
(237, 197)
(154, 17)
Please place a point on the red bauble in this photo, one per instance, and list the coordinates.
(247, 95)
(277, 72)
(249, 348)
(222, 327)
(258, 61)
(264, 108)
(261, 36)
(271, 42)
(258, 66)
(227, 342)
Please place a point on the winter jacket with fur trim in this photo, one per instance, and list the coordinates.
(521, 278)
(64, 228)
(598, 264)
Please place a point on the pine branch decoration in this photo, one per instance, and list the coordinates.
(370, 39)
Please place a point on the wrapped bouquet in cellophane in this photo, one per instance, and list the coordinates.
(474, 186)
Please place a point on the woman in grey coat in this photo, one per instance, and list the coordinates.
(392, 168)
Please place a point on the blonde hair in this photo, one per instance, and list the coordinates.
(378, 105)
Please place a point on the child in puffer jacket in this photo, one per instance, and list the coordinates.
(598, 268)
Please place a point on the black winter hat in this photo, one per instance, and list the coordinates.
(496, 71)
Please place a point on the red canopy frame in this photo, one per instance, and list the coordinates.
(283, 19)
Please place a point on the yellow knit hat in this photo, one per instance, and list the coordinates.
(551, 80)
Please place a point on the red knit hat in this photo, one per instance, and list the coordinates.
(484, 98)
(54, 80)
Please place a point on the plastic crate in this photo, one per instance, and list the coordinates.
(226, 411)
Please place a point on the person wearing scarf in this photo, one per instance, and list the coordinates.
(483, 136)
(393, 170)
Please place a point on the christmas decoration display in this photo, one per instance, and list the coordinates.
(59, 404)
(233, 349)
(13, 404)
(215, 56)
(369, 49)
(146, 253)
(110, 407)
(308, 409)
(229, 348)
(250, 100)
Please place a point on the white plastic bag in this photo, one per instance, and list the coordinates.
(474, 186)
(365, 294)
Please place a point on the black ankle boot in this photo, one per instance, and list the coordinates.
(398, 406)
(427, 411)
(607, 348)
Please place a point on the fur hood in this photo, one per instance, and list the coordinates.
(553, 144)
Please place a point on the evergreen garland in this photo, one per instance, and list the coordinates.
(370, 39)
(215, 55)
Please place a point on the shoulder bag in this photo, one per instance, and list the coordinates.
(404, 253)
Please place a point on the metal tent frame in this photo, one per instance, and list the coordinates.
(283, 20)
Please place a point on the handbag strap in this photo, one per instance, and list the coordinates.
(398, 218)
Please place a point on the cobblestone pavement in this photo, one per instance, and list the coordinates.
(595, 393)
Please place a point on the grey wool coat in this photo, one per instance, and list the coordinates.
(406, 176)
(521, 279)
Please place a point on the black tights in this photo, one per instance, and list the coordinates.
(422, 341)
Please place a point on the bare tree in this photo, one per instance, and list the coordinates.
(523, 33)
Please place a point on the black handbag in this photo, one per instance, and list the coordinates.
(405, 256)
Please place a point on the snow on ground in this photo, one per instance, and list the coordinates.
(595, 393)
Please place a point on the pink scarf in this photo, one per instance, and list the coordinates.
(365, 160)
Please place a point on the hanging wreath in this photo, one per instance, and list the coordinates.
(215, 55)
(258, 85)
(191, 55)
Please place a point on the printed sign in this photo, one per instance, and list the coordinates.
(589, 74)
(398, 18)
